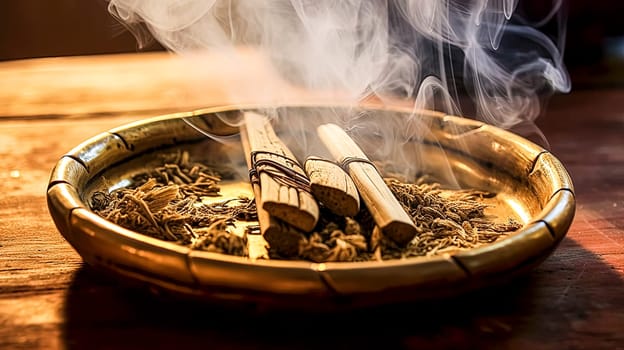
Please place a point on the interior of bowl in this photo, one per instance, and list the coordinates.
(529, 183)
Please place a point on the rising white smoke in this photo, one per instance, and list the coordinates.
(431, 52)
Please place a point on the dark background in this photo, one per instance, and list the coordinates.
(45, 28)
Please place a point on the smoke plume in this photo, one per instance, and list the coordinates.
(481, 58)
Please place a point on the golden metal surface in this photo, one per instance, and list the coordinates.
(532, 185)
(69, 169)
(503, 256)
(98, 153)
(556, 213)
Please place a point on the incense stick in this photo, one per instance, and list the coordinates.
(284, 239)
(284, 186)
(385, 209)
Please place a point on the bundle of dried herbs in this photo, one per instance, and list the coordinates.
(166, 203)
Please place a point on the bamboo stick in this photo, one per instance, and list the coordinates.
(385, 209)
(285, 188)
(281, 237)
(332, 186)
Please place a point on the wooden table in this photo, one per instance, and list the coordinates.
(49, 299)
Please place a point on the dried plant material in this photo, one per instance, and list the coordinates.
(166, 204)
(446, 220)
(193, 179)
(338, 239)
(217, 239)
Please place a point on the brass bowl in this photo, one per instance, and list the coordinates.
(532, 186)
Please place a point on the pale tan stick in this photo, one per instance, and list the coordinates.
(386, 210)
(281, 237)
(285, 188)
(332, 186)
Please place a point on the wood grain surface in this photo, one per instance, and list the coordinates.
(50, 300)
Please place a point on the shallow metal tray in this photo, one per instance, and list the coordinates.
(532, 186)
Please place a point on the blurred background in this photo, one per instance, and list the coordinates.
(41, 28)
